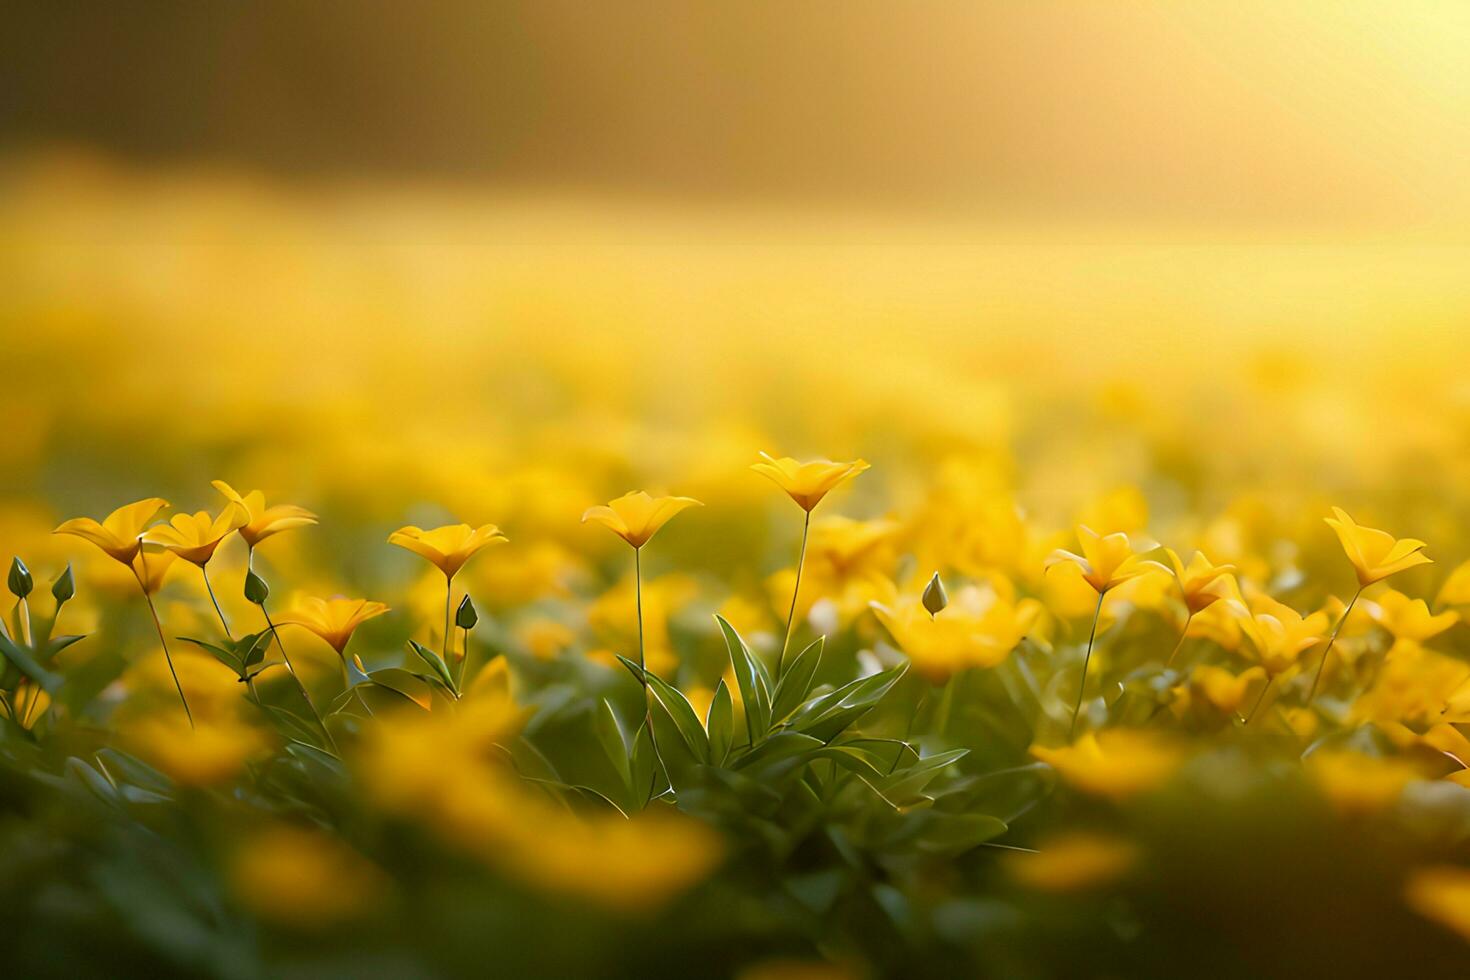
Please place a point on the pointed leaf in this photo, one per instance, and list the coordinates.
(614, 745)
(720, 723)
(754, 693)
(681, 712)
(796, 683)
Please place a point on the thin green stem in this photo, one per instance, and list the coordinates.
(158, 625)
(1271, 679)
(643, 676)
(795, 591)
(291, 669)
(204, 571)
(448, 599)
(1087, 658)
(1330, 641)
(463, 663)
(1183, 634)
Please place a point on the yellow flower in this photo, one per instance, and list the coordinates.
(194, 537)
(447, 547)
(1443, 894)
(1357, 783)
(210, 753)
(262, 521)
(977, 629)
(1201, 583)
(1116, 763)
(1375, 554)
(1073, 862)
(120, 533)
(1456, 588)
(1221, 689)
(334, 620)
(1410, 619)
(807, 483)
(1280, 634)
(150, 565)
(1106, 560)
(635, 517)
(303, 879)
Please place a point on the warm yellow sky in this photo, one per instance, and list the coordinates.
(1252, 112)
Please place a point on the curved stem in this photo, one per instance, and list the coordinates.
(1082, 685)
(291, 669)
(1271, 679)
(796, 591)
(1183, 634)
(220, 612)
(158, 625)
(1330, 641)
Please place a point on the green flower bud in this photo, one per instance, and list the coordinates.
(935, 598)
(64, 587)
(466, 617)
(21, 582)
(255, 588)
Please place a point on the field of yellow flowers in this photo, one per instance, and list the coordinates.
(404, 584)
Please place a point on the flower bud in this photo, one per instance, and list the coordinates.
(466, 617)
(935, 598)
(64, 587)
(255, 588)
(21, 582)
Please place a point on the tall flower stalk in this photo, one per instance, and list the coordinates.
(636, 517)
(806, 484)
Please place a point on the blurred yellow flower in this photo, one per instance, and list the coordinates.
(1443, 894)
(447, 547)
(442, 769)
(1410, 619)
(261, 521)
(1358, 784)
(1116, 763)
(1227, 693)
(807, 483)
(1106, 560)
(1073, 862)
(120, 533)
(636, 517)
(195, 537)
(1375, 554)
(1456, 588)
(1279, 634)
(303, 879)
(208, 753)
(1201, 583)
(334, 620)
(979, 628)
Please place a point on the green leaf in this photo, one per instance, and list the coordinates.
(401, 682)
(224, 655)
(796, 683)
(26, 664)
(720, 723)
(614, 745)
(681, 712)
(754, 693)
(435, 662)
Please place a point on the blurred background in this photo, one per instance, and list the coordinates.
(500, 261)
